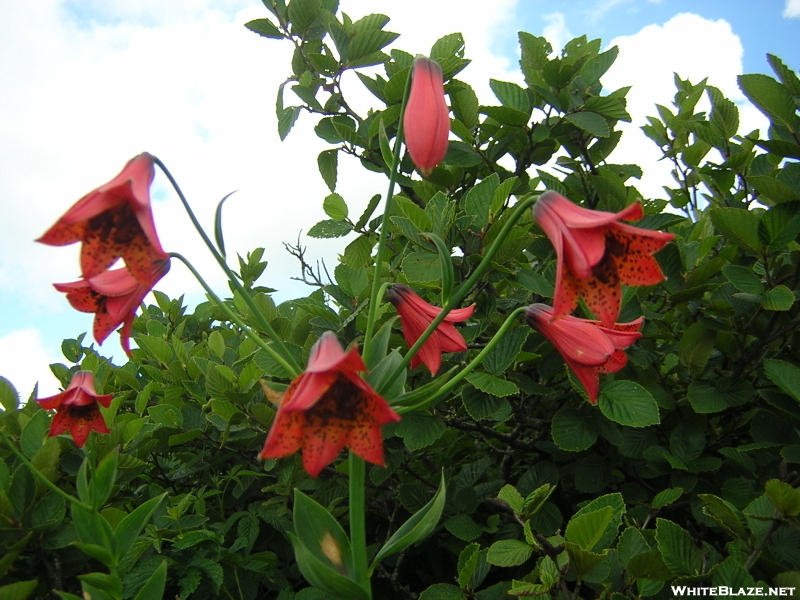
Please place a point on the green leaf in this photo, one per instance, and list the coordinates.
(773, 189)
(783, 497)
(366, 44)
(302, 14)
(771, 97)
(587, 529)
(572, 430)
(590, 122)
(536, 499)
(617, 505)
(785, 375)
(512, 497)
(509, 553)
(705, 398)
(631, 543)
(335, 207)
(780, 225)
(419, 525)
(9, 398)
(666, 497)
(733, 575)
(628, 403)
(739, 224)
(20, 590)
(98, 553)
(467, 562)
(129, 528)
(330, 229)
(696, 345)
(34, 433)
(286, 120)
(479, 199)
(92, 528)
(582, 562)
(726, 515)
(681, 554)
(511, 95)
(420, 429)
(743, 279)
(442, 591)
(649, 565)
(154, 588)
(492, 385)
(328, 163)
(779, 298)
(319, 573)
(422, 267)
(265, 28)
(103, 480)
(107, 583)
(503, 355)
(463, 527)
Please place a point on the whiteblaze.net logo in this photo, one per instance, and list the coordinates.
(722, 590)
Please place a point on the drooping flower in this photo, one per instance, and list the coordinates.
(76, 408)
(114, 297)
(426, 121)
(329, 407)
(596, 253)
(113, 221)
(415, 317)
(588, 347)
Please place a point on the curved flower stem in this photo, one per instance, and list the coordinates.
(358, 534)
(469, 368)
(262, 320)
(464, 288)
(292, 369)
(375, 296)
(40, 476)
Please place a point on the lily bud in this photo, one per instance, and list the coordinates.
(426, 121)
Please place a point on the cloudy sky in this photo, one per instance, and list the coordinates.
(87, 84)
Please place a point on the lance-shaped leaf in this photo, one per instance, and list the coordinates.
(419, 526)
(322, 549)
(129, 528)
(103, 480)
(154, 588)
(218, 236)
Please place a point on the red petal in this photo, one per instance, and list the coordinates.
(426, 121)
(602, 292)
(286, 435)
(589, 377)
(308, 388)
(578, 340)
(327, 355)
(615, 362)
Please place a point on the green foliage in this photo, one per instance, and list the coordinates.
(684, 472)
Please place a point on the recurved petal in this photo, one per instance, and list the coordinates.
(286, 435)
(307, 389)
(588, 376)
(328, 355)
(614, 363)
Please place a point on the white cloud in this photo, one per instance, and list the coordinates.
(648, 60)
(556, 31)
(792, 9)
(25, 358)
(93, 83)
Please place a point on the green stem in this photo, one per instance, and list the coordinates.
(292, 369)
(375, 296)
(40, 476)
(262, 320)
(469, 368)
(358, 534)
(459, 294)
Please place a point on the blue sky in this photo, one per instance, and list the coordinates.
(87, 84)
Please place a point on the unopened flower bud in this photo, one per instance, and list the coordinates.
(426, 120)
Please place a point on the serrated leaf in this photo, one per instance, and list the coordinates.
(587, 529)
(328, 163)
(420, 430)
(9, 398)
(783, 497)
(785, 375)
(779, 298)
(678, 549)
(770, 96)
(572, 430)
(743, 279)
(335, 207)
(330, 229)
(512, 497)
(265, 28)
(628, 403)
(508, 553)
(492, 385)
(739, 224)
(666, 497)
(286, 120)
(590, 122)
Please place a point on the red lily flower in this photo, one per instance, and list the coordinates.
(114, 297)
(329, 407)
(415, 317)
(113, 221)
(426, 121)
(588, 347)
(596, 253)
(77, 410)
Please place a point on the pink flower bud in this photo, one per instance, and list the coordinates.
(426, 121)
